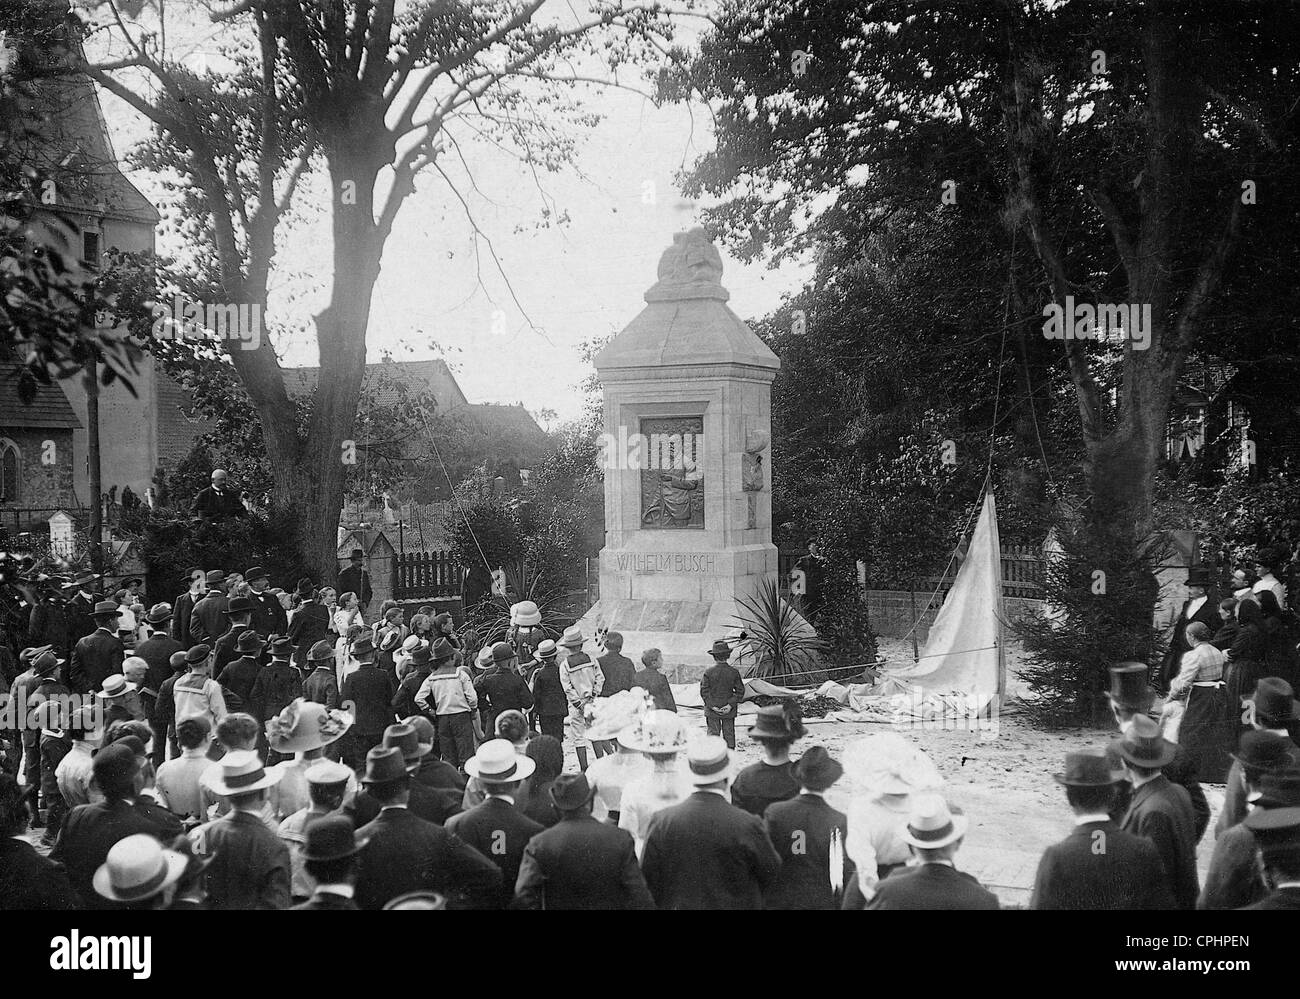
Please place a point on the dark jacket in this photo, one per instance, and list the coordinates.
(356, 580)
(1099, 866)
(502, 690)
(311, 624)
(404, 700)
(931, 886)
(326, 900)
(1207, 614)
(706, 853)
(95, 657)
(269, 617)
(90, 831)
(182, 609)
(434, 772)
(250, 867)
(80, 623)
(164, 709)
(1161, 811)
(580, 863)
(405, 853)
(369, 690)
(657, 686)
(1234, 795)
(276, 687)
(211, 504)
(157, 650)
(30, 882)
(433, 804)
(760, 785)
(801, 830)
(721, 685)
(620, 673)
(208, 620)
(322, 686)
(1233, 880)
(239, 676)
(1181, 770)
(499, 831)
(224, 653)
(48, 625)
(549, 699)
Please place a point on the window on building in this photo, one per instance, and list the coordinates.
(11, 466)
(90, 249)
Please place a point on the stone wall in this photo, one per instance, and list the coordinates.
(43, 485)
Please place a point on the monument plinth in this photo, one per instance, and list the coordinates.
(688, 487)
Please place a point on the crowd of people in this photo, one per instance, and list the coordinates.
(244, 752)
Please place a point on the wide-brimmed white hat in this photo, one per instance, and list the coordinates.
(708, 760)
(116, 685)
(658, 731)
(136, 868)
(932, 824)
(572, 638)
(242, 772)
(525, 614)
(497, 762)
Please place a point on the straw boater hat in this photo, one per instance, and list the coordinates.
(572, 638)
(390, 640)
(241, 772)
(1143, 746)
(306, 725)
(497, 762)
(620, 712)
(138, 867)
(547, 649)
(932, 825)
(323, 771)
(116, 685)
(708, 761)
(657, 732)
(485, 658)
(525, 614)
(411, 642)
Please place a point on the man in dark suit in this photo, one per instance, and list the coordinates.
(28, 881)
(183, 607)
(496, 827)
(90, 831)
(814, 581)
(809, 837)
(81, 606)
(934, 833)
(100, 653)
(239, 675)
(722, 690)
(239, 619)
(706, 853)
(1272, 708)
(356, 579)
(653, 682)
(217, 501)
(404, 853)
(157, 650)
(48, 624)
(311, 623)
(1278, 832)
(433, 804)
(1098, 866)
(368, 693)
(1160, 810)
(1199, 606)
(580, 863)
(278, 684)
(330, 860)
(269, 617)
(208, 619)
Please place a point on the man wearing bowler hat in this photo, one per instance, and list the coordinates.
(356, 578)
(809, 835)
(330, 860)
(208, 619)
(240, 674)
(239, 618)
(496, 827)
(1099, 865)
(404, 853)
(1160, 810)
(1198, 607)
(433, 804)
(321, 685)
(269, 617)
(81, 606)
(278, 684)
(1271, 708)
(369, 691)
(580, 863)
(722, 690)
(100, 654)
(183, 605)
(157, 650)
(934, 832)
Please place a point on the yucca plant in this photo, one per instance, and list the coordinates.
(779, 641)
(488, 621)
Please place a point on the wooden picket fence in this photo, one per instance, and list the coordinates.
(425, 575)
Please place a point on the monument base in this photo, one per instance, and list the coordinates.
(683, 630)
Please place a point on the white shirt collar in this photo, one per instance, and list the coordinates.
(1194, 605)
(815, 794)
(714, 790)
(944, 863)
(1083, 820)
(503, 797)
(1139, 781)
(347, 891)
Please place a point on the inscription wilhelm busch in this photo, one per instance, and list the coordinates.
(665, 562)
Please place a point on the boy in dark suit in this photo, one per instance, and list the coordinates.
(934, 834)
(1098, 866)
(809, 837)
(722, 690)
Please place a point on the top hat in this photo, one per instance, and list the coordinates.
(497, 762)
(1279, 788)
(363, 647)
(932, 824)
(214, 577)
(198, 653)
(407, 739)
(356, 554)
(138, 867)
(159, 613)
(256, 572)
(657, 731)
(503, 652)
(816, 769)
(306, 725)
(571, 791)
(417, 900)
(330, 837)
(721, 650)
(1274, 700)
(1087, 769)
(1199, 575)
(708, 761)
(1143, 745)
(773, 722)
(241, 772)
(116, 685)
(442, 650)
(1129, 687)
(384, 765)
(390, 640)
(249, 641)
(281, 646)
(240, 605)
(1259, 750)
(547, 649)
(106, 608)
(525, 614)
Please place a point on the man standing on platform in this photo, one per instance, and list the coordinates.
(217, 501)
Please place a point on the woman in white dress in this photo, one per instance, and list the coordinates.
(346, 616)
(613, 773)
(659, 736)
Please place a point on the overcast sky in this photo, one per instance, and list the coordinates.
(582, 280)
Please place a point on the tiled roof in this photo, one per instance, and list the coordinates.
(432, 376)
(49, 409)
(177, 432)
(506, 416)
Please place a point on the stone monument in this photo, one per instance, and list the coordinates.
(688, 481)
